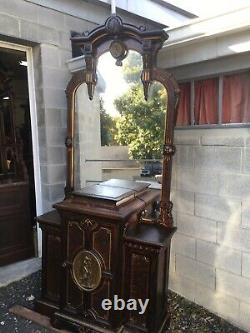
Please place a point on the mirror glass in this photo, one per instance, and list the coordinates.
(87, 137)
(118, 133)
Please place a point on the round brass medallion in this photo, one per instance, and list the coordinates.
(117, 49)
(87, 271)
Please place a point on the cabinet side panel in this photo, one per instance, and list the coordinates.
(139, 285)
(53, 261)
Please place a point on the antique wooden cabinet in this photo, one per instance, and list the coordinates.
(111, 240)
(16, 236)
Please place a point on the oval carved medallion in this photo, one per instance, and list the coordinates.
(87, 271)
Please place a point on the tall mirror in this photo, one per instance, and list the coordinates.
(121, 110)
(118, 134)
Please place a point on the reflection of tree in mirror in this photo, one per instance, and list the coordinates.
(141, 125)
(132, 67)
(108, 127)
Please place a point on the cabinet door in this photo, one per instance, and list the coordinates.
(16, 241)
(91, 248)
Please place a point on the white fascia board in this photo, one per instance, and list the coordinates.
(207, 48)
(199, 29)
(151, 10)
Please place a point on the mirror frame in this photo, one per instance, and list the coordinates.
(117, 38)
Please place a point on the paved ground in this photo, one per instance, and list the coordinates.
(19, 270)
(186, 316)
(21, 292)
(189, 317)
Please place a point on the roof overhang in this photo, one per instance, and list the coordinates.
(207, 39)
(203, 28)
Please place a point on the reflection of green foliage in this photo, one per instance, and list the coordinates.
(108, 127)
(132, 67)
(141, 125)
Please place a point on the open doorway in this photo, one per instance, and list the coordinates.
(17, 190)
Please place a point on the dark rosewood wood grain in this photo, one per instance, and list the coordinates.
(50, 223)
(16, 235)
(146, 271)
(103, 234)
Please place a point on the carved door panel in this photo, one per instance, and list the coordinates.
(105, 241)
(91, 260)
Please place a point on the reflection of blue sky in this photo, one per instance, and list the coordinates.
(115, 85)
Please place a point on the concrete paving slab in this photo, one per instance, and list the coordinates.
(18, 271)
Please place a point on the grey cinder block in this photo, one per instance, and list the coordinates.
(200, 273)
(223, 140)
(9, 26)
(232, 285)
(222, 158)
(20, 9)
(235, 185)
(53, 155)
(219, 256)
(54, 98)
(217, 208)
(197, 227)
(233, 236)
(50, 56)
(183, 201)
(29, 31)
(185, 245)
(246, 264)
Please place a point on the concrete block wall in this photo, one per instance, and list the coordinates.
(210, 259)
(46, 26)
(48, 30)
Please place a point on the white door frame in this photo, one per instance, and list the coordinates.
(34, 127)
